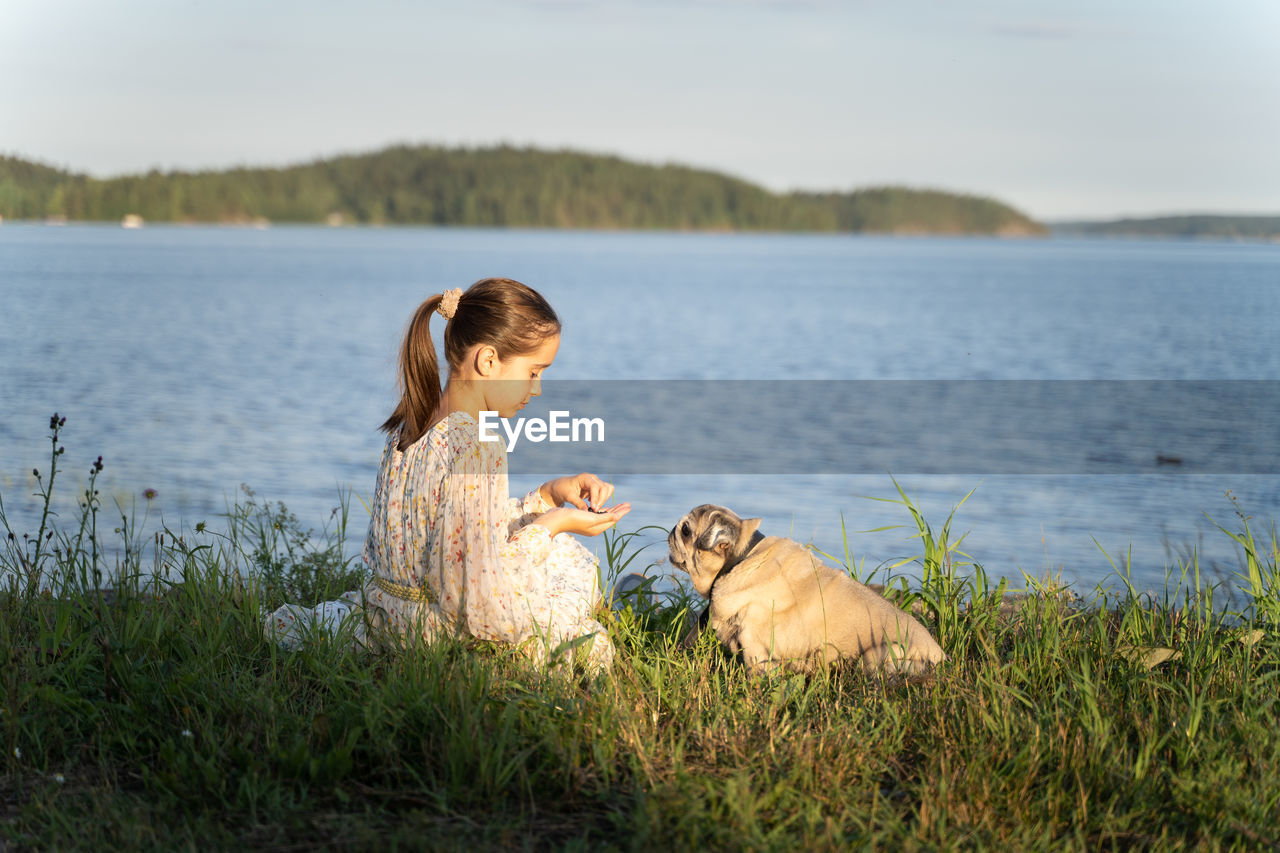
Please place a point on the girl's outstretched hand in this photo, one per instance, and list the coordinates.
(585, 491)
(584, 522)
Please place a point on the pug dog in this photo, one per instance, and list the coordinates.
(774, 601)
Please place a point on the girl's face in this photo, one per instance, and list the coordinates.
(519, 378)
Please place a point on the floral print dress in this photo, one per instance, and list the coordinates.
(452, 553)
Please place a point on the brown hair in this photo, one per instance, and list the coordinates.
(511, 317)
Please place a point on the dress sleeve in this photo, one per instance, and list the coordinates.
(522, 512)
(498, 578)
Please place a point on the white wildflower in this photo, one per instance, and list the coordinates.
(59, 778)
(186, 733)
(17, 753)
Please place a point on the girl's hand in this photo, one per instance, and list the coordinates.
(584, 522)
(584, 491)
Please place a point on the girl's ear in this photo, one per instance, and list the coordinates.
(486, 360)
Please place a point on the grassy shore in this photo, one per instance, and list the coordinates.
(158, 716)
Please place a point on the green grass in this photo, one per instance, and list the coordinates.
(158, 716)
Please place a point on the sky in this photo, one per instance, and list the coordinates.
(1080, 109)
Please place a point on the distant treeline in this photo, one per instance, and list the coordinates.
(1203, 226)
(503, 186)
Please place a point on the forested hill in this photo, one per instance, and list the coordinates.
(500, 186)
(1196, 226)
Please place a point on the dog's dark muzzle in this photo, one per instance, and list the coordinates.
(672, 541)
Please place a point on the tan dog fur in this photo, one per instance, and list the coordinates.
(775, 602)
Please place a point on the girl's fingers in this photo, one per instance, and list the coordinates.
(616, 513)
(599, 491)
(605, 522)
(587, 491)
(595, 523)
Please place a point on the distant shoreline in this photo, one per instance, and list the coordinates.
(906, 234)
(1214, 227)
(497, 186)
(1053, 232)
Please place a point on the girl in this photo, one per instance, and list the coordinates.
(449, 551)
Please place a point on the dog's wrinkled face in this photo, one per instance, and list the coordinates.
(708, 540)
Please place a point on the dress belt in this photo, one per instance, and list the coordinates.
(400, 590)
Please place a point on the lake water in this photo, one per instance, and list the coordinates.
(194, 359)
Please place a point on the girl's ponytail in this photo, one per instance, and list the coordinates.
(419, 377)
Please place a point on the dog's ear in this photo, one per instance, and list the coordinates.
(749, 527)
(720, 533)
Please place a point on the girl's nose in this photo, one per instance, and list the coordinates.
(537, 387)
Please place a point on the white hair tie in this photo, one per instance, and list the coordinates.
(449, 303)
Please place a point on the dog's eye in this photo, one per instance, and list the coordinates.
(684, 529)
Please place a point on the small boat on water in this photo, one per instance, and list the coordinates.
(131, 220)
